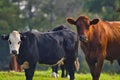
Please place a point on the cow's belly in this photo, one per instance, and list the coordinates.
(113, 52)
(53, 62)
(50, 51)
(51, 57)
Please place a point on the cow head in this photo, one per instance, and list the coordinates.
(14, 40)
(82, 24)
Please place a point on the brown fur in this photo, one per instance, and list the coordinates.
(103, 42)
(14, 66)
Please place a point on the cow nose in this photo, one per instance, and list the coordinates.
(14, 52)
(83, 38)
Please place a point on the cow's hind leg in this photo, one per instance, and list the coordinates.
(30, 72)
(55, 71)
(70, 67)
(63, 70)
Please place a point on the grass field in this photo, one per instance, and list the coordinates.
(46, 75)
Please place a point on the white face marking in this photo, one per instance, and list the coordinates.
(14, 42)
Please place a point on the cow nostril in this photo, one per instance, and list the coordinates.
(14, 52)
(82, 37)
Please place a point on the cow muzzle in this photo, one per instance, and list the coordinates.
(83, 38)
(14, 52)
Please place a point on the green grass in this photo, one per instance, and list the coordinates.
(46, 75)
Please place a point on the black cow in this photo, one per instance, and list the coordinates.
(50, 48)
(63, 66)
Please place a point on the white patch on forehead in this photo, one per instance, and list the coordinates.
(15, 35)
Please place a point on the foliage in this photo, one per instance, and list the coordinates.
(9, 18)
(105, 9)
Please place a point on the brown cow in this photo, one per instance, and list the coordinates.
(14, 66)
(99, 40)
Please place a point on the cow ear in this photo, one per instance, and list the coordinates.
(94, 21)
(71, 20)
(5, 37)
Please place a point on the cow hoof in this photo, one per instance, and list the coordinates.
(57, 75)
(68, 76)
(54, 74)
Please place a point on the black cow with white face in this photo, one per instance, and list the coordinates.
(50, 48)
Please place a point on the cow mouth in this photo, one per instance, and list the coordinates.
(14, 54)
(83, 39)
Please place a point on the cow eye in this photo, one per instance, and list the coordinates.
(19, 42)
(9, 41)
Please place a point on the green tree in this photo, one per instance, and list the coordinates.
(9, 18)
(105, 9)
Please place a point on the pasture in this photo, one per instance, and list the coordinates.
(46, 75)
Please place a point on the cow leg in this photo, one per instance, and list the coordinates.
(55, 71)
(71, 69)
(95, 68)
(30, 72)
(67, 73)
(91, 65)
(98, 68)
(63, 68)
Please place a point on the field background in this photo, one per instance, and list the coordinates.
(44, 15)
(46, 75)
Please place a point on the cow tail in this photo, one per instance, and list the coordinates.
(77, 64)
